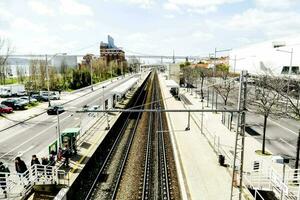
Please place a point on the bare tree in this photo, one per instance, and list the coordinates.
(226, 85)
(33, 74)
(265, 99)
(20, 74)
(202, 74)
(5, 52)
(42, 74)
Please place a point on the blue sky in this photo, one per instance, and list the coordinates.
(190, 27)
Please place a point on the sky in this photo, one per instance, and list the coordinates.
(154, 27)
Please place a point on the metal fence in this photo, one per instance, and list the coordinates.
(20, 184)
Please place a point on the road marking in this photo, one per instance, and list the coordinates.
(31, 138)
(283, 127)
(286, 142)
(21, 153)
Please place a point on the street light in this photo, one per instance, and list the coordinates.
(289, 73)
(103, 104)
(47, 73)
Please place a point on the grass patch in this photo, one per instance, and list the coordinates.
(259, 152)
(32, 104)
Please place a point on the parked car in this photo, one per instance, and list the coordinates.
(93, 108)
(54, 95)
(26, 98)
(16, 104)
(5, 109)
(21, 93)
(38, 97)
(54, 109)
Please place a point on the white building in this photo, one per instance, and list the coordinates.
(69, 61)
(264, 58)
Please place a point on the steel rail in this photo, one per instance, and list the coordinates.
(164, 110)
(163, 163)
(146, 193)
(112, 150)
(125, 157)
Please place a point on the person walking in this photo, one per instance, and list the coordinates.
(21, 168)
(3, 177)
(66, 155)
(35, 160)
(59, 154)
(52, 158)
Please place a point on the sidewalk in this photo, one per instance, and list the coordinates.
(66, 97)
(200, 175)
(221, 142)
(87, 144)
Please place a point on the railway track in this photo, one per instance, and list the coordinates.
(139, 164)
(114, 163)
(156, 175)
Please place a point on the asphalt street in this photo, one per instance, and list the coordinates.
(281, 134)
(34, 135)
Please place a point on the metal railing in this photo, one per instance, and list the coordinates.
(20, 184)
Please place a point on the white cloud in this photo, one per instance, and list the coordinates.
(275, 4)
(169, 16)
(141, 3)
(71, 7)
(21, 24)
(171, 6)
(5, 14)
(88, 24)
(201, 35)
(40, 8)
(198, 6)
(272, 23)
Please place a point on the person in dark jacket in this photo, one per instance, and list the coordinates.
(66, 155)
(20, 165)
(3, 177)
(35, 160)
(52, 158)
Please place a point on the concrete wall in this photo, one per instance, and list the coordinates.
(69, 61)
(174, 72)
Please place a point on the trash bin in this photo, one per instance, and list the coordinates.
(221, 160)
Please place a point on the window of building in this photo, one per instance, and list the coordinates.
(285, 70)
(295, 70)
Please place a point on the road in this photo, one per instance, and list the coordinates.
(34, 135)
(281, 135)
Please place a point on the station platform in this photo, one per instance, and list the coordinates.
(200, 175)
(197, 151)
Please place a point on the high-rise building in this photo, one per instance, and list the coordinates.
(110, 52)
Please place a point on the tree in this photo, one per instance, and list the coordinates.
(33, 74)
(266, 99)
(202, 73)
(42, 74)
(226, 85)
(5, 52)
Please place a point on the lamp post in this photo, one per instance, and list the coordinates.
(289, 73)
(47, 73)
(91, 72)
(103, 104)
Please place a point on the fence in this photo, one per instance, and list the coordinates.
(20, 184)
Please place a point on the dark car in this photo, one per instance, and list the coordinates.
(5, 109)
(38, 97)
(16, 104)
(53, 110)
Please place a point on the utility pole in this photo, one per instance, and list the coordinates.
(298, 151)
(91, 73)
(58, 128)
(238, 161)
(48, 81)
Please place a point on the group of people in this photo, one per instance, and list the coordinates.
(20, 166)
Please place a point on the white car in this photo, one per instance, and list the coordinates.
(26, 99)
(93, 108)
